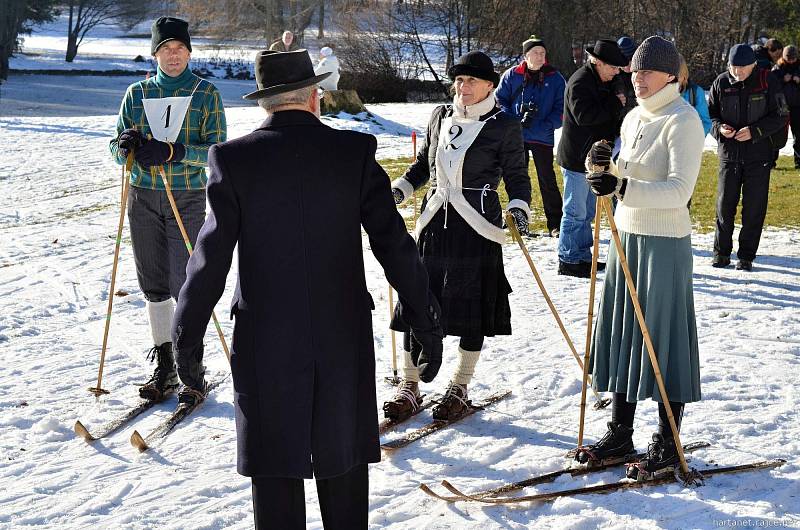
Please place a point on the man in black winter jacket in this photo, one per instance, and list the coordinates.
(591, 113)
(744, 113)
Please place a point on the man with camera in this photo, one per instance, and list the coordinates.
(534, 93)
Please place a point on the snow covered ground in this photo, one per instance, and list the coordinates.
(58, 215)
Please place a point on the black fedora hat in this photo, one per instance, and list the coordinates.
(608, 51)
(280, 72)
(476, 64)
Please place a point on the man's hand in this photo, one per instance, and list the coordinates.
(602, 182)
(787, 78)
(398, 195)
(796, 78)
(743, 134)
(426, 349)
(156, 153)
(129, 140)
(727, 131)
(429, 359)
(520, 220)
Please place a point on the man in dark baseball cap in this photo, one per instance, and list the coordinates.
(746, 136)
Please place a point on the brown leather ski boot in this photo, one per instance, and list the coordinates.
(405, 403)
(454, 403)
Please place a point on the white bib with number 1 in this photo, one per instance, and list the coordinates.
(165, 116)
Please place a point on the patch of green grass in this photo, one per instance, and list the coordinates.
(784, 191)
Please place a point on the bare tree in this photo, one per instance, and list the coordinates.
(17, 17)
(85, 15)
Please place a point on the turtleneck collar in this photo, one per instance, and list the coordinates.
(660, 99)
(172, 83)
(474, 112)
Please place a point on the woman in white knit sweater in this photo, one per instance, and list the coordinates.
(662, 142)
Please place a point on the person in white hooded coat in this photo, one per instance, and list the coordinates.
(328, 63)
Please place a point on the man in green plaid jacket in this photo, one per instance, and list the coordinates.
(153, 126)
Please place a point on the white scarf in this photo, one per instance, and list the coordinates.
(660, 99)
(475, 111)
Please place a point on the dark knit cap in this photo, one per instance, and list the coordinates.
(476, 64)
(166, 29)
(627, 46)
(658, 54)
(741, 55)
(532, 42)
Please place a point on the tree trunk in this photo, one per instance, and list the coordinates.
(72, 47)
(321, 32)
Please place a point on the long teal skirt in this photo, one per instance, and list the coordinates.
(662, 273)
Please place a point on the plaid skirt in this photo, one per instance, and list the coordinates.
(466, 276)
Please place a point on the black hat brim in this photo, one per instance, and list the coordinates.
(286, 87)
(466, 69)
(619, 60)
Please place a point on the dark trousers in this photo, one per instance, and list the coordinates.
(750, 181)
(158, 248)
(548, 187)
(280, 503)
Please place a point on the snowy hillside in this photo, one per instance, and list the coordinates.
(59, 206)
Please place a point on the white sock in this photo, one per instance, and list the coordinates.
(410, 372)
(161, 320)
(466, 366)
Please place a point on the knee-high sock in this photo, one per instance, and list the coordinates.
(409, 371)
(466, 366)
(161, 320)
(663, 421)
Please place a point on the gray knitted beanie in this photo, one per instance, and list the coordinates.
(656, 53)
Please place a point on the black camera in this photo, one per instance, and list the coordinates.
(529, 112)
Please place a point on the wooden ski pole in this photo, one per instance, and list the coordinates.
(188, 243)
(99, 390)
(394, 379)
(645, 334)
(601, 403)
(590, 318)
(413, 157)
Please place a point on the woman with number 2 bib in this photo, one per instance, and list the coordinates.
(469, 147)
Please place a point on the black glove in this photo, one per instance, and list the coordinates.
(426, 349)
(398, 195)
(156, 153)
(521, 220)
(602, 182)
(129, 140)
(429, 359)
(600, 154)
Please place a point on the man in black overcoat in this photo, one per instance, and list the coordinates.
(591, 113)
(294, 195)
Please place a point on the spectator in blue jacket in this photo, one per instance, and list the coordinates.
(694, 95)
(533, 92)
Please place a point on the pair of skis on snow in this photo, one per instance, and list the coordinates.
(499, 495)
(434, 425)
(143, 443)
